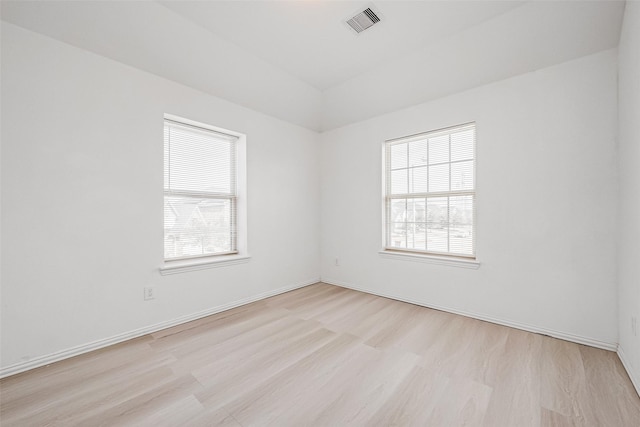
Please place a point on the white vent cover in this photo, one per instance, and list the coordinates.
(363, 20)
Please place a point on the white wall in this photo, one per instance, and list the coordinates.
(173, 47)
(629, 202)
(504, 46)
(546, 202)
(82, 199)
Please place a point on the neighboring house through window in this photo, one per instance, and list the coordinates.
(200, 190)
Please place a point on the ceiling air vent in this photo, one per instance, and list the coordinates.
(363, 20)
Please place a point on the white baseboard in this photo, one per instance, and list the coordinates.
(95, 345)
(627, 366)
(505, 322)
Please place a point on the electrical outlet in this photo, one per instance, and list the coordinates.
(634, 325)
(149, 293)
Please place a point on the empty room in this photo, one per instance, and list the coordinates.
(320, 213)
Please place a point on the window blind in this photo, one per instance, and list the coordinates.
(199, 191)
(430, 192)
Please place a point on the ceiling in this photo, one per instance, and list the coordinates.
(310, 40)
(300, 62)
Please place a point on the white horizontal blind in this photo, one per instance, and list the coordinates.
(430, 192)
(199, 191)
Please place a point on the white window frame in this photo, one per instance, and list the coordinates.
(444, 258)
(240, 254)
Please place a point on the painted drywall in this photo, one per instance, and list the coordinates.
(150, 37)
(245, 52)
(532, 36)
(629, 195)
(82, 199)
(546, 202)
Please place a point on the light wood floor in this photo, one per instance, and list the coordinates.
(328, 356)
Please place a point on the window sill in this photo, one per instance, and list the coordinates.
(431, 259)
(174, 267)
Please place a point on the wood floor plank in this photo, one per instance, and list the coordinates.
(395, 326)
(447, 347)
(40, 383)
(367, 321)
(176, 413)
(361, 395)
(515, 400)
(66, 387)
(64, 408)
(329, 356)
(216, 331)
(301, 298)
(308, 403)
(313, 306)
(345, 303)
(233, 314)
(483, 359)
(426, 327)
(130, 408)
(208, 418)
(264, 403)
(229, 379)
(610, 395)
(244, 342)
(549, 418)
(414, 401)
(563, 381)
(466, 404)
(351, 321)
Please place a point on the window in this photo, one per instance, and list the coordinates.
(429, 201)
(200, 190)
